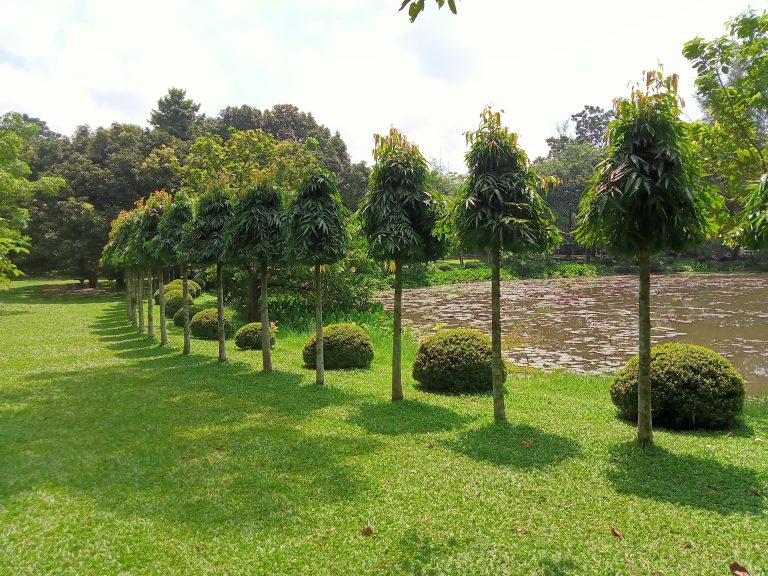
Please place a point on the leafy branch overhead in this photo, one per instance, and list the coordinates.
(416, 7)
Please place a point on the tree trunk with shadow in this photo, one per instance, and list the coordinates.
(397, 328)
(220, 301)
(497, 368)
(644, 421)
(266, 351)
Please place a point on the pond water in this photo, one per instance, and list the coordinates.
(590, 324)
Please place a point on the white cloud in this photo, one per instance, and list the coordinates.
(359, 67)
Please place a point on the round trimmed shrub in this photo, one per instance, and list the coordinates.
(457, 360)
(171, 288)
(691, 387)
(178, 317)
(194, 288)
(249, 337)
(205, 324)
(174, 301)
(344, 346)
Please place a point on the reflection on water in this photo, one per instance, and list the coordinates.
(590, 325)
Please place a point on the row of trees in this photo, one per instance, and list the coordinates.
(106, 170)
(648, 195)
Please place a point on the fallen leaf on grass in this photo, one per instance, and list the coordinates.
(617, 534)
(738, 569)
(526, 443)
(367, 531)
(759, 440)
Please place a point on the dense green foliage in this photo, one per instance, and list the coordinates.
(316, 224)
(457, 360)
(205, 324)
(346, 346)
(248, 337)
(399, 213)
(754, 225)
(648, 194)
(693, 387)
(500, 207)
(255, 233)
(194, 288)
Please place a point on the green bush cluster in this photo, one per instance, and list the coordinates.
(171, 288)
(344, 346)
(205, 324)
(457, 360)
(174, 301)
(692, 387)
(194, 288)
(249, 337)
(178, 316)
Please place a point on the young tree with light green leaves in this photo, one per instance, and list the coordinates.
(754, 219)
(317, 235)
(647, 196)
(153, 211)
(501, 210)
(256, 235)
(176, 217)
(203, 240)
(399, 215)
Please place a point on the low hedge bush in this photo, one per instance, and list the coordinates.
(171, 288)
(249, 337)
(193, 287)
(178, 317)
(457, 360)
(691, 387)
(344, 346)
(205, 324)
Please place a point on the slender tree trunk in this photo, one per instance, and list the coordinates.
(319, 360)
(151, 305)
(163, 319)
(644, 423)
(120, 280)
(220, 292)
(497, 368)
(266, 351)
(93, 280)
(141, 300)
(128, 298)
(185, 305)
(461, 258)
(397, 328)
(252, 298)
(133, 288)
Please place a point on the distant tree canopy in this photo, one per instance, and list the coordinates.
(105, 170)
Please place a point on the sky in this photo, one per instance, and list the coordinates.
(359, 66)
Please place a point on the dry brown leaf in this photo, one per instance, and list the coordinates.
(616, 533)
(521, 530)
(738, 569)
(526, 443)
(367, 531)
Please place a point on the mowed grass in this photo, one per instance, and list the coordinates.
(119, 457)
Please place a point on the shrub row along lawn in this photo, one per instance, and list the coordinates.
(119, 457)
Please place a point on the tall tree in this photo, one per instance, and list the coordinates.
(501, 210)
(203, 240)
(154, 208)
(317, 236)
(754, 219)
(647, 196)
(176, 114)
(256, 235)
(591, 124)
(399, 215)
(177, 216)
(15, 187)
(732, 89)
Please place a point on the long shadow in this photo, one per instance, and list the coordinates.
(656, 473)
(183, 438)
(57, 294)
(405, 417)
(515, 446)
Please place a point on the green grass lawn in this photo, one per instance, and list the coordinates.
(119, 457)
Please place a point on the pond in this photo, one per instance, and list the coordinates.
(590, 324)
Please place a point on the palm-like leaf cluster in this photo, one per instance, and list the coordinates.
(175, 218)
(318, 233)
(399, 213)
(203, 239)
(151, 215)
(647, 194)
(754, 228)
(500, 206)
(256, 231)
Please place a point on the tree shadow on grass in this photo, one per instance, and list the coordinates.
(69, 293)
(515, 446)
(405, 417)
(661, 475)
(182, 438)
